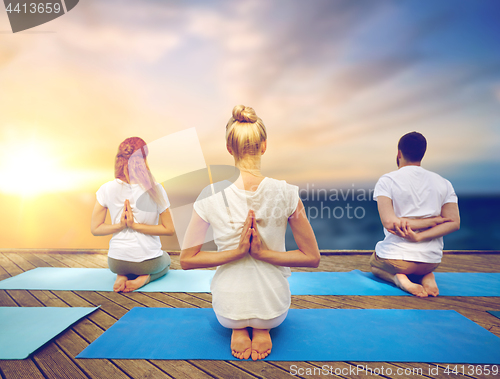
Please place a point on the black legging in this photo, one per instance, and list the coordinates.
(155, 267)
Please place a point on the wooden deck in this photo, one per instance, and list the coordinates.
(56, 359)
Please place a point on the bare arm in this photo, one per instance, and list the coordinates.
(165, 226)
(449, 211)
(191, 255)
(306, 256)
(97, 225)
(391, 222)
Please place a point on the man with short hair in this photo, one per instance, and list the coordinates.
(417, 208)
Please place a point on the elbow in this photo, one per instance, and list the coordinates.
(315, 260)
(94, 231)
(315, 263)
(169, 231)
(185, 265)
(389, 223)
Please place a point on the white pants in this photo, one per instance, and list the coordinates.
(256, 323)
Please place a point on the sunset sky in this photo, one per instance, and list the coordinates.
(336, 82)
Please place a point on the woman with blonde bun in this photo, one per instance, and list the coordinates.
(250, 289)
(136, 203)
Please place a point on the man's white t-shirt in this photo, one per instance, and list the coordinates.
(415, 193)
(130, 245)
(249, 288)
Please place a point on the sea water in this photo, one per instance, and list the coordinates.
(351, 222)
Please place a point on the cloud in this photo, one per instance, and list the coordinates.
(322, 77)
(135, 32)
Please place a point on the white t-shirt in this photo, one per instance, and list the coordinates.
(415, 193)
(249, 288)
(130, 245)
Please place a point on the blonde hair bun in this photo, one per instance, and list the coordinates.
(244, 114)
(245, 132)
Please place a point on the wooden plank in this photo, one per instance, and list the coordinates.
(89, 330)
(90, 260)
(35, 260)
(69, 261)
(485, 303)
(493, 320)
(24, 298)
(55, 364)
(6, 300)
(309, 370)
(426, 370)
(139, 368)
(99, 317)
(51, 259)
(20, 261)
(263, 369)
(189, 299)
(322, 302)
(54, 251)
(180, 369)
(113, 309)
(121, 299)
(9, 266)
(72, 344)
(207, 297)
(171, 301)
(3, 274)
(145, 300)
(47, 298)
(20, 369)
(495, 329)
(444, 371)
(221, 369)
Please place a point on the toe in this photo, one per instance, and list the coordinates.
(422, 293)
(256, 355)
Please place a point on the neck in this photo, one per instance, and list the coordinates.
(249, 164)
(403, 163)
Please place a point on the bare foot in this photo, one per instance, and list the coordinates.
(241, 344)
(119, 285)
(429, 283)
(132, 285)
(405, 284)
(261, 344)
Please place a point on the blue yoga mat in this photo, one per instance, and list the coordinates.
(301, 283)
(368, 335)
(357, 282)
(25, 329)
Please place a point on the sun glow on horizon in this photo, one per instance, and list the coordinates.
(30, 168)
